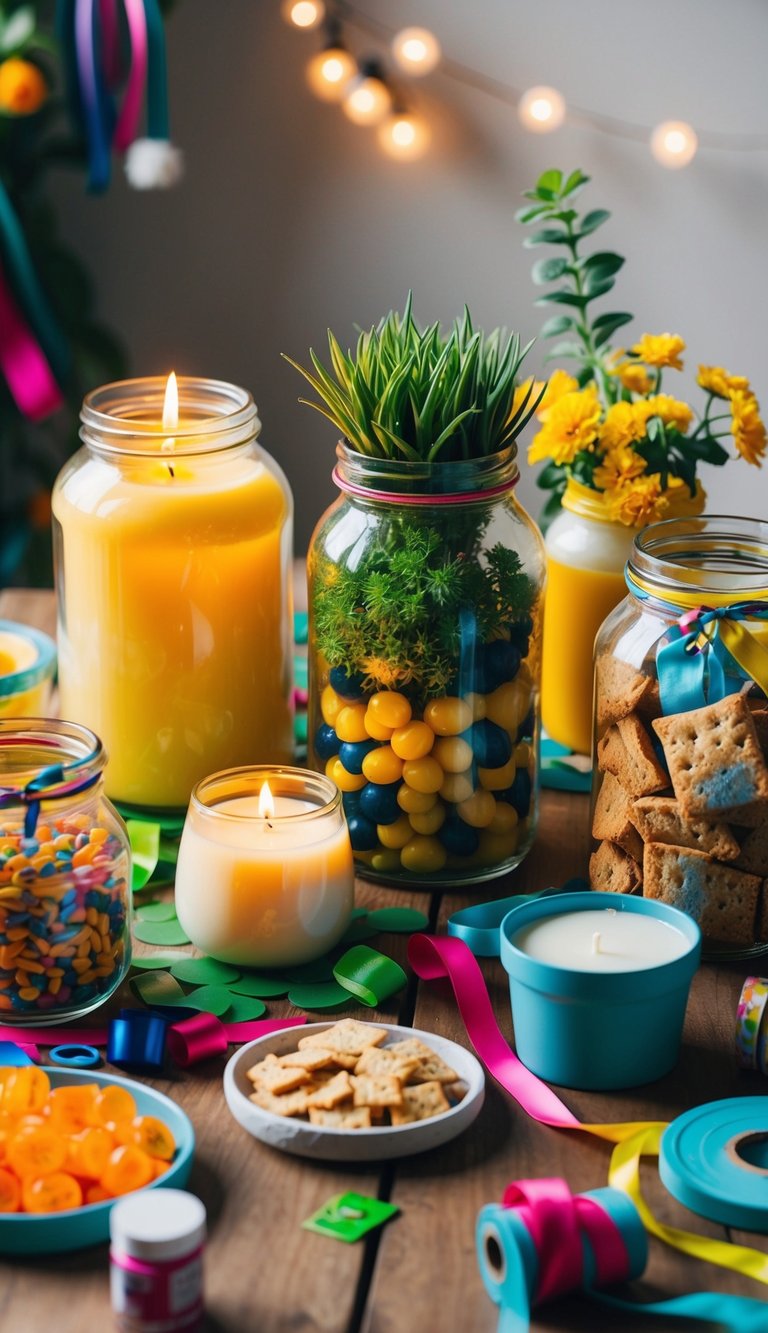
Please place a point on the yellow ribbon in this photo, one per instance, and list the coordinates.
(745, 649)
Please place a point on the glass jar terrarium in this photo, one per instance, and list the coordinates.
(425, 590)
(172, 539)
(65, 875)
(681, 729)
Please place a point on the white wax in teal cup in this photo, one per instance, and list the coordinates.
(599, 983)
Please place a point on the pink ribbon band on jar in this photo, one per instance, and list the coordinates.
(394, 497)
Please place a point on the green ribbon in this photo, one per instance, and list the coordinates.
(369, 975)
(145, 851)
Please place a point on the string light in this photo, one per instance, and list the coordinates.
(367, 98)
(674, 143)
(416, 51)
(304, 14)
(330, 71)
(404, 136)
(541, 109)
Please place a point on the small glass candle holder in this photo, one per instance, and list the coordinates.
(27, 666)
(265, 875)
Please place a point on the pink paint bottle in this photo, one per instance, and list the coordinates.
(156, 1261)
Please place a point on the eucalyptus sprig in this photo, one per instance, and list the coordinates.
(413, 393)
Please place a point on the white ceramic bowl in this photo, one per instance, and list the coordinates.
(351, 1145)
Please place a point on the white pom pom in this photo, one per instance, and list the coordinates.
(153, 164)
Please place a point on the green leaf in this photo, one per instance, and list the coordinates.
(604, 263)
(550, 180)
(591, 221)
(562, 297)
(551, 476)
(530, 214)
(557, 324)
(594, 287)
(549, 236)
(606, 325)
(18, 29)
(574, 183)
(547, 270)
(706, 448)
(568, 351)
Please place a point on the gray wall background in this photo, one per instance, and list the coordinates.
(291, 220)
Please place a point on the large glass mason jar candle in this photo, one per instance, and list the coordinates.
(172, 539)
(681, 729)
(65, 874)
(425, 593)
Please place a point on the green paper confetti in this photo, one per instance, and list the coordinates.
(152, 960)
(348, 1217)
(161, 932)
(259, 985)
(325, 995)
(155, 910)
(398, 920)
(210, 999)
(242, 1008)
(204, 971)
(158, 988)
(167, 822)
(358, 912)
(319, 970)
(145, 849)
(357, 930)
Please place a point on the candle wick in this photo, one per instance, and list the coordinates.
(596, 942)
(170, 469)
(268, 824)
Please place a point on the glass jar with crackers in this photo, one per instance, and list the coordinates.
(680, 790)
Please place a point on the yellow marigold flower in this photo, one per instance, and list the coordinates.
(634, 377)
(623, 425)
(618, 466)
(672, 411)
(637, 502)
(571, 425)
(747, 427)
(23, 88)
(660, 349)
(717, 381)
(559, 384)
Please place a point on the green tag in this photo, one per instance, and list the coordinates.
(155, 910)
(348, 1217)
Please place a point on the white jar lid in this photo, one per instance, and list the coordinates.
(157, 1224)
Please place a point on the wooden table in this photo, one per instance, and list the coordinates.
(418, 1274)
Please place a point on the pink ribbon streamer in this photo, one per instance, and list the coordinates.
(23, 363)
(128, 122)
(554, 1219)
(200, 1037)
(434, 957)
(110, 42)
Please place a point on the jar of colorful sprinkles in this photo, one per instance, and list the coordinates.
(65, 874)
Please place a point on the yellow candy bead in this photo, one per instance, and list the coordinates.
(331, 705)
(415, 802)
(395, 835)
(448, 716)
(522, 754)
(413, 741)
(477, 704)
(430, 821)
(424, 856)
(390, 708)
(494, 848)
(505, 818)
(457, 787)
(383, 765)
(453, 753)
(423, 774)
(350, 723)
(385, 862)
(496, 779)
(508, 705)
(479, 809)
(345, 781)
(374, 728)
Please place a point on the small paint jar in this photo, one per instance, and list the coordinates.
(156, 1261)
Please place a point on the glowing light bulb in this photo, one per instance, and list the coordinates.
(305, 14)
(329, 72)
(404, 136)
(674, 143)
(367, 99)
(541, 109)
(416, 50)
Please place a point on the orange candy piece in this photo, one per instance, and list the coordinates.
(88, 1152)
(128, 1168)
(71, 1107)
(111, 1105)
(36, 1152)
(150, 1134)
(54, 1193)
(10, 1192)
(25, 1089)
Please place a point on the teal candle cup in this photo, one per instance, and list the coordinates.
(597, 1030)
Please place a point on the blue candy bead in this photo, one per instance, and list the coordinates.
(502, 662)
(519, 794)
(378, 802)
(458, 838)
(352, 754)
(490, 743)
(327, 743)
(348, 685)
(362, 833)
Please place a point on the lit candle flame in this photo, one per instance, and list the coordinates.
(170, 411)
(596, 943)
(266, 802)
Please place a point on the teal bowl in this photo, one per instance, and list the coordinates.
(598, 1030)
(74, 1229)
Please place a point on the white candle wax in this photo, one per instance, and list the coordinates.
(626, 941)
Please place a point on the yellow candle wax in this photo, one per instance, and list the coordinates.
(27, 662)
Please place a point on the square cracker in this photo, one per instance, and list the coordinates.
(420, 1103)
(384, 1060)
(430, 1067)
(660, 819)
(612, 870)
(721, 899)
(293, 1103)
(276, 1078)
(347, 1036)
(311, 1058)
(626, 751)
(330, 1093)
(753, 856)
(613, 817)
(344, 1117)
(714, 759)
(377, 1090)
(621, 689)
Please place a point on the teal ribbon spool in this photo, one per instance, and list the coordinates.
(714, 1159)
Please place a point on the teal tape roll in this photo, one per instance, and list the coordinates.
(478, 926)
(714, 1159)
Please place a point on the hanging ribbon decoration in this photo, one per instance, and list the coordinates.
(127, 126)
(22, 362)
(435, 958)
(97, 112)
